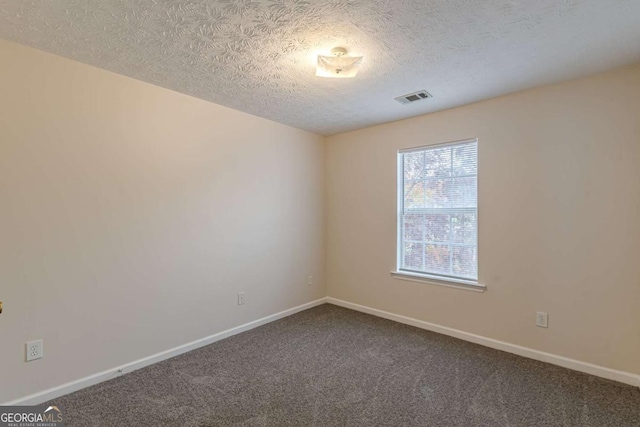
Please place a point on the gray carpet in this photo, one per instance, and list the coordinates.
(330, 366)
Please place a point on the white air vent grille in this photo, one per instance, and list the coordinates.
(413, 97)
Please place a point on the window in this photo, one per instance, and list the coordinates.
(438, 212)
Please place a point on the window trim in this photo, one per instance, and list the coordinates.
(434, 279)
(468, 285)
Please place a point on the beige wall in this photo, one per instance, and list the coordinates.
(559, 218)
(132, 215)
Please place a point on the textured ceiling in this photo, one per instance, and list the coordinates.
(258, 56)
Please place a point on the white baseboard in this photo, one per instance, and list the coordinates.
(61, 390)
(565, 362)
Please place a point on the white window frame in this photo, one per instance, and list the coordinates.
(441, 280)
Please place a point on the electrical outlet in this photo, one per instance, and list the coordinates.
(310, 281)
(34, 350)
(542, 319)
(240, 298)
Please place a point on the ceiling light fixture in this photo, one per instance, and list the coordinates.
(338, 65)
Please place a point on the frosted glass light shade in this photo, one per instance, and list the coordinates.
(338, 66)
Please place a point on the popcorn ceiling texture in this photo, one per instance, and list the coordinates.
(259, 56)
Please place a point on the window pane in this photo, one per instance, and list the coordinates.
(414, 194)
(413, 256)
(438, 162)
(465, 160)
(436, 193)
(450, 193)
(413, 165)
(413, 227)
(436, 258)
(464, 228)
(437, 227)
(462, 192)
(465, 261)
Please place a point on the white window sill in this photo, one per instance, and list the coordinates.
(467, 285)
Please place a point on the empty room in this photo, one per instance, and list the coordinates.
(319, 213)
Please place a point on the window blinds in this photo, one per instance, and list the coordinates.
(438, 210)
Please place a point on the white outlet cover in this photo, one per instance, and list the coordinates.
(241, 298)
(35, 350)
(542, 319)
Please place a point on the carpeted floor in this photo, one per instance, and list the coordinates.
(329, 366)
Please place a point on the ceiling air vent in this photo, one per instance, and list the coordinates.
(413, 97)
